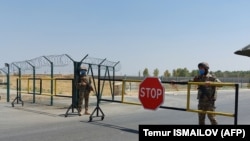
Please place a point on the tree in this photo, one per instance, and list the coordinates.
(166, 73)
(218, 73)
(145, 72)
(185, 72)
(181, 72)
(174, 73)
(194, 73)
(156, 72)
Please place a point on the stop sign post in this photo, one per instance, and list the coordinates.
(151, 93)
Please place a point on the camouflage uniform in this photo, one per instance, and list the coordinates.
(206, 98)
(85, 88)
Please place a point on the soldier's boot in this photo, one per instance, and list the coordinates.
(86, 112)
(80, 112)
(201, 122)
(214, 122)
(201, 117)
(212, 119)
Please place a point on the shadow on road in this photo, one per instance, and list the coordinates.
(114, 127)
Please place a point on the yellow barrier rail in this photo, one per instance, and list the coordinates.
(41, 79)
(218, 84)
(123, 91)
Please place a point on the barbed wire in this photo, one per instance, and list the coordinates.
(60, 61)
(103, 63)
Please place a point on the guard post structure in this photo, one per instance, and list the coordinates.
(98, 97)
(75, 91)
(18, 89)
(8, 81)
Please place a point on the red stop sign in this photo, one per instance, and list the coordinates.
(151, 93)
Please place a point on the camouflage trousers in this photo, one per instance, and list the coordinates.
(206, 106)
(85, 96)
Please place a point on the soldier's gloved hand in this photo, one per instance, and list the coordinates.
(83, 83)
(196, 79)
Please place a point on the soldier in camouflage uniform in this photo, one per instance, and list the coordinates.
(207, 94)
(85, 88)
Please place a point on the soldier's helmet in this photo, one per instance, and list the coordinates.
(83, 67)
(83, 70)
(204, 65)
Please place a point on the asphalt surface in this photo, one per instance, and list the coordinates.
(41, 121)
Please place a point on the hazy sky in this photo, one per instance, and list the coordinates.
(163, 34)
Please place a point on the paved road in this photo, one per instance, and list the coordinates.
(39, 121)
